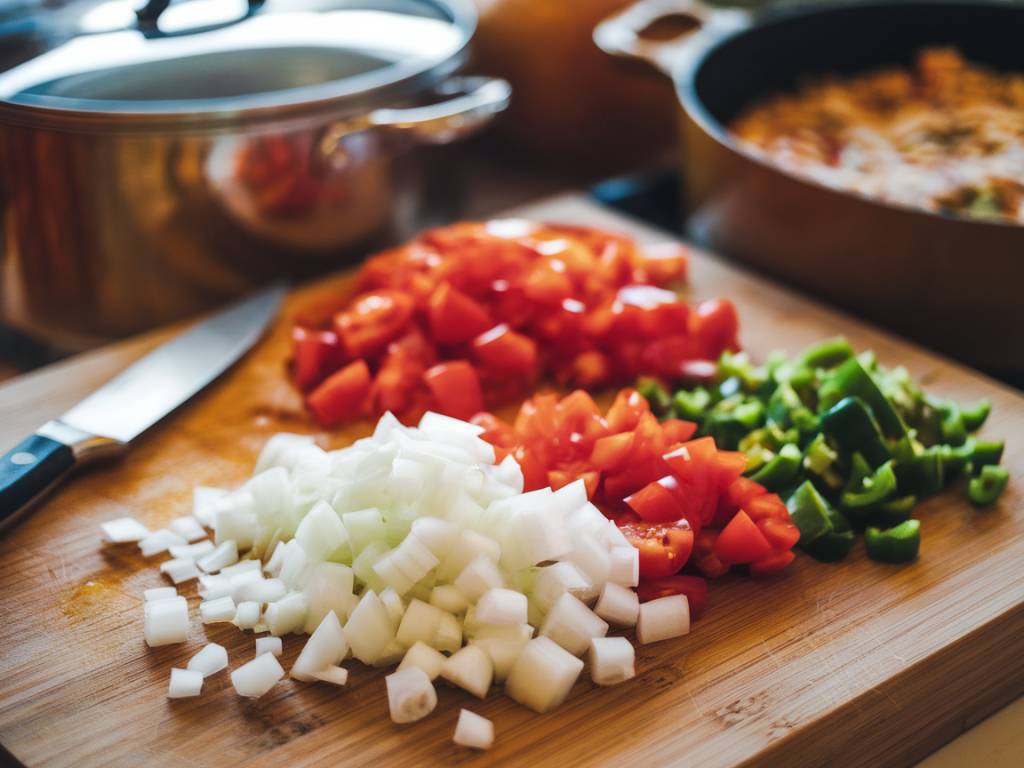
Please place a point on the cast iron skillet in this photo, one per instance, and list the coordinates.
(949, 282)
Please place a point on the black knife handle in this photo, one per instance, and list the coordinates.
(29, 469)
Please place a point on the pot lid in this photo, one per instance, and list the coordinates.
(213, 60)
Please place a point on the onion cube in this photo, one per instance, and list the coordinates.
(474, 731)
(555, 580)
(192, 551)
(239, 568)
(592, 558)
(394, 605)
(325, 647)
(321, 532)
(214, 587)
(470, 669)
(258, 676)
(123, 530)
(625, 566)
(478, 577)
(269, 645)
(411, 695)
(286, 615)
(165, 621)
(333, 674)
(159, 593)
(439, 536)
(426, 658)
(501, 606)
(204, 503)
(212, 658)
(448, 638)
(572, 625)
(618, 605)
(448, 598)
(543, 675)
(223, 555)
(188, 528)
(612, 660)
(247, 615)
(180, 569)
(663, 618)
(260, 590)
(160, 541)
(221, 609)
(328, 588)
(368, 630)
(502, 643)
(419, 624)
(184, 683)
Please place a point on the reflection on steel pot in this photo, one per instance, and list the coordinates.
(154, 167)
(951, 283)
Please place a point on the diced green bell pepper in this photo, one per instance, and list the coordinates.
(986, 452)
(875, 489)
(974, 416)
(820, 460)
(809, 512)
(781, 469)
(954, 432)
(691, 405)
(834, 545)
(827, 354)
(988, 486)
(894, 545)
(851, 380)
(893, 512)
(655, 394)
(851, 425)
(925, 473)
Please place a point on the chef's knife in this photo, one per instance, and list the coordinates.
(133, 401)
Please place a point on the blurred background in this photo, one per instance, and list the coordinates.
(122, 216)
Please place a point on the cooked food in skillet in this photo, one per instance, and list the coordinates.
(946, 136)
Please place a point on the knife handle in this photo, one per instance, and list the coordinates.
(26, 471)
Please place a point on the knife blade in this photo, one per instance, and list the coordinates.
(106, 422)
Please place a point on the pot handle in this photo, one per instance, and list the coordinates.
(474, 103)
(621, 34)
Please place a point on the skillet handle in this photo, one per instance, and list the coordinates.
(620, 35)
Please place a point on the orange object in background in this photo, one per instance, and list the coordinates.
(571, 102)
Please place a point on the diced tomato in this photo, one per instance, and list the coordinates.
(626, 410)
(503, 350)
(655, 503)
(691, 463)
(715, 328)
(455, 317)
(737, 496)
(704, 556)
(767, 505)
(456, 388)
(664, 547)
(728, 467)
(677, 430)
(374, 319)
(772, 564)
(314, 355)
(781, 534)
(611, 451)
(740, 542)
(342, 397)
(694, 587)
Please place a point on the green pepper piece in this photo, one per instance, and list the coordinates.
(851, 425)
(809, 512)
(729, 387)
(925, 473)
(974, 416)
(834, 545)
(737, 365)
(655, 394)
(873, 491)
(806, 422)
(954, 432)
(988, 486)
(691, 405)
(781, 469)
(860, 471)
(783, 401)
(893, 512)
(827, 354)
(851, 380)
(820, 460)
(986, 452)
(895, 545)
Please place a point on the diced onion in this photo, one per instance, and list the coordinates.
(204, 503)
(625, 566)
(612, 660)
(572, 625)
(160, 541)
(269, 645)
(184, 683)
(223, 555)
(286, 615)
(426, 658)
(247, 615)
(258, 676)
(448, 598)
(474, 731)
(165, 621)
(368, 630)
(501, 606)
(478, 577)
(192, 551)
(260, 591)
(411, 695)
(543, 675)
(325, 648)
(188, 528)
(618, 605)
(663, 618)
(333, 674)
(159, 593)
(470, 669)
(212, 658)
(180, 569)
(123, 530)
(221, 609)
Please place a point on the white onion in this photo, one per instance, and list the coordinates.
(325, 648)
(439, 536)
(663, 618)
(478, 577)
(572, 625)
(592, 558)
(368, 630)
(159, 593)
(612, 660)
(329, 588)
(625, 566)
(188, 528)
(180, 569)
(241, 580)
(210, 659)
(260, 591)
(555, 580)
(618, 605)
(247, 615)
(471, 546)
(449, 634)
(214, 587)
(474, 731)
(543, 675)
(471, 669)
(426, 658)
(192, 551)
(501, 606)
(503, 644)
(221, 609)
(239, 568)
(234, 519)
(333, 674)
(204, 503)
(286, 615)
(165, 621)
(420, 623)
(258, 676)
(159, 541)
(184, 683)
(394, 605)
(269, 645)
(363, 526)
(411, 695)
(448, 598)
(123, 530)
(223, 555)
(321, 533)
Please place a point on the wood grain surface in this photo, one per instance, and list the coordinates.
(854, 663)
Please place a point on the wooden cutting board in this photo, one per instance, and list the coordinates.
(853, 663)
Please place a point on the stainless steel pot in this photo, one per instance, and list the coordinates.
(154, 165)
(951, 283)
